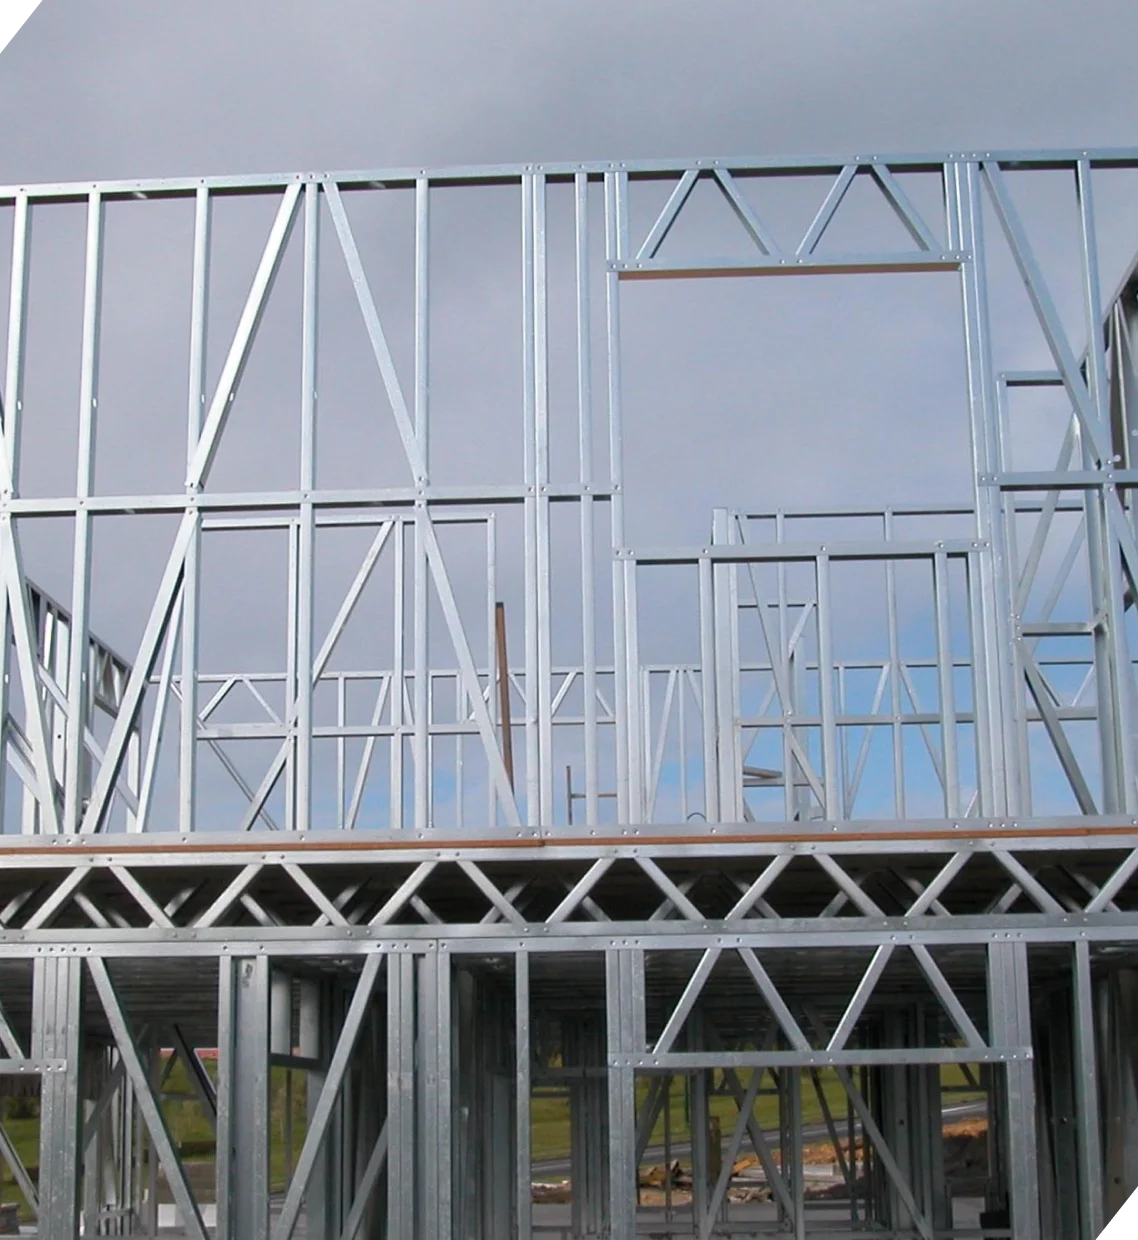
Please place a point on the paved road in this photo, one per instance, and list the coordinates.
(558, 1168)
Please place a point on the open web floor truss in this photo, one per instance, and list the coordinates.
(511, 856)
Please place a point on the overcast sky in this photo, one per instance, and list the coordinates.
(118, 88)
(749, 395)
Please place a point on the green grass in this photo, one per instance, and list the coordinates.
(188, 1126)
(549, 1114)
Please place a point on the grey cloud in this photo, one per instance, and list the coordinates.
(121, 89)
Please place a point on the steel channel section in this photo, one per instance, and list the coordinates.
(729, 768)
(619, 999)
(523, 1123)
(1084, 1060)
(244, 1097)
(1010, 1020)
(57, 1033)
(383, 1157)
(404, 1151)
(434, 1094)
(12, 411)
(1112, 693)
(994, 678)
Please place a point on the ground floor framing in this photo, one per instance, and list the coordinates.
(423, 999)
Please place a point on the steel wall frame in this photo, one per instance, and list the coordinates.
(379, 932)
